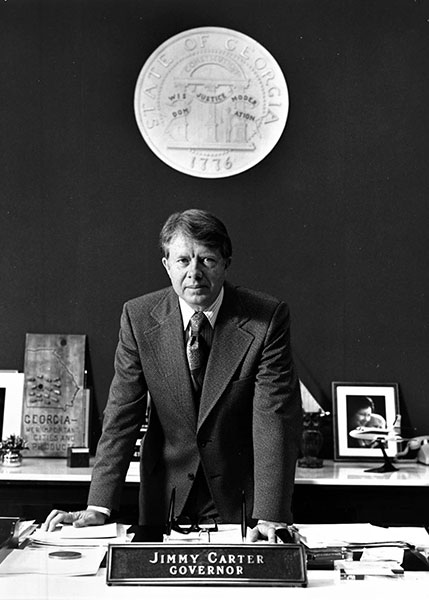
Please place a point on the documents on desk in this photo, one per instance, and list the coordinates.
(359, 535)
(380, 549)
(66, 551)
(34, 559)
(96, 535)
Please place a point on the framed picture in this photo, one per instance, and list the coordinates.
(56, 405)
(11, 395)
(374, 405)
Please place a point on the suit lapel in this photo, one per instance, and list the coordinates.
(230, 343)
(168, 347)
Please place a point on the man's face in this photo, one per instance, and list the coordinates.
(196, 271)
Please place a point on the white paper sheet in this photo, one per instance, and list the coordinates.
(371, 568)
(83, 536)
(37, 560)
(384, 554)
(342, 534)
(95, 532)
(418, 536)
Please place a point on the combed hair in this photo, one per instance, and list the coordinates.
(199, 225)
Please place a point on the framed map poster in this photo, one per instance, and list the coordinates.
(55, 414)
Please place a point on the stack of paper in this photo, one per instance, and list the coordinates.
(358, 534)
(97, 535)
(416, 536)
(48, 554)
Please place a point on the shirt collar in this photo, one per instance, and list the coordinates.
(211, 312)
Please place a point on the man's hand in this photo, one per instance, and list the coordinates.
(265, 530)
(80, 518)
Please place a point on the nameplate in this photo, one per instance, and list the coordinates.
(211, 564)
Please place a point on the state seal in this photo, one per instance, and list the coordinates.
(211, 102)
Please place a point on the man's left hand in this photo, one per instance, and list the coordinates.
(265, 530)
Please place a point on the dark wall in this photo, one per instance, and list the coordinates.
(335, 219)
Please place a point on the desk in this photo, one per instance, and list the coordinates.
(335, 493)
(322, 585)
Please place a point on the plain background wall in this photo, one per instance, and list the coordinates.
(334, 220)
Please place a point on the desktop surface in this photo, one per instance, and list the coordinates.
(337, 492)
(321, 585)
(409, 473)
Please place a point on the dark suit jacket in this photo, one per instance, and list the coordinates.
(246, 434)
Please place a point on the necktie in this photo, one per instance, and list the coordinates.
(197, 351)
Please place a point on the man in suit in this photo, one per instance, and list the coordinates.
(226, 424)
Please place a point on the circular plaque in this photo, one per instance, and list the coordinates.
(211, 102)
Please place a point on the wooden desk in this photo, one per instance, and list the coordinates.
(338, 492)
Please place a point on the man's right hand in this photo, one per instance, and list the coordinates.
(79, 518)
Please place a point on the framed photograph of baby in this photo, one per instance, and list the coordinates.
(360, 409)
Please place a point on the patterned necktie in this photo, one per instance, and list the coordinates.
(197, 351)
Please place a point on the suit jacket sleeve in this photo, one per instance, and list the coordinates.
(123, 417)
(277, 423)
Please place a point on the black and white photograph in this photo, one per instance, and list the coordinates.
(365, 408)
(214, 332)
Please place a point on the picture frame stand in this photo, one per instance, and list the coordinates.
(387, 466)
